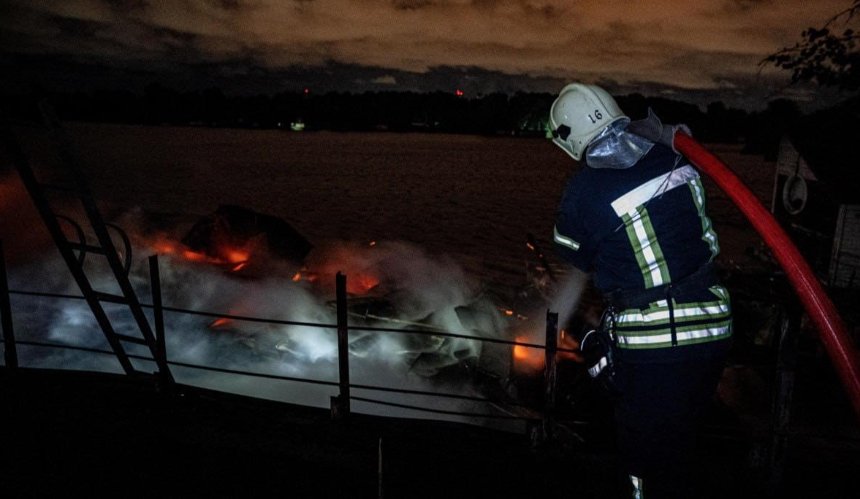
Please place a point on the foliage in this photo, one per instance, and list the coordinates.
(824, 55)
(522, 114)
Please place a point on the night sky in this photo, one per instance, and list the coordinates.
(697, 51)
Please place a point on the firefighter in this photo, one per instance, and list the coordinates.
(634, 217)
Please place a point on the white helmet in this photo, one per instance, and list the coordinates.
(580, 113)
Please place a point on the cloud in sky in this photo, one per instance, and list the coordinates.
(707, 44)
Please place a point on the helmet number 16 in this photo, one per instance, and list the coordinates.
(596, 116)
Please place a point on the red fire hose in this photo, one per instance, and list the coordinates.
(815, 301)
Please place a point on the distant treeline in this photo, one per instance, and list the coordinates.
(521, 114)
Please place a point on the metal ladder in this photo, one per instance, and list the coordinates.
(78, 187)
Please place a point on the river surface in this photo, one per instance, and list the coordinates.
(471, 198)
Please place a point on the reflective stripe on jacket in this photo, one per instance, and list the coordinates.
(640, 228)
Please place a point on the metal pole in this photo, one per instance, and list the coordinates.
(10, 353)
(164, 376)
(786, 364)
(380, 488)
(550, 373)
(340, 404)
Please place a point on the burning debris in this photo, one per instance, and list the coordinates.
(232, 234)
(390, 284)
(245, 264)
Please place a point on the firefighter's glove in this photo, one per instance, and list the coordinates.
(654, 130)
(596, 347)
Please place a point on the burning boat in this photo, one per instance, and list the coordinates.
(232, 234)
(390, 285)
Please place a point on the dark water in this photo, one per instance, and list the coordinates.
(471, 198)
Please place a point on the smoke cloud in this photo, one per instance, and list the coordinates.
(393, 285)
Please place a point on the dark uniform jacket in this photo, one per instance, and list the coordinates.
(642, 228)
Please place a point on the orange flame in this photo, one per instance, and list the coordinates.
(361, 283)
(569, 342)
(528, 358)
(234, 255)
(305, 275)
(533, 359)
(238, 258)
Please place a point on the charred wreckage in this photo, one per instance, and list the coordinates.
(247, 245)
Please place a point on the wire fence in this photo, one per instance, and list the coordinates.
(550, 349)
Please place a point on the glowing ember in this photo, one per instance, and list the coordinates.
(511, 313)
(305, 275)
(233, 255)
(194, 256)
(239, 267)
(220, 322)
(164, 247)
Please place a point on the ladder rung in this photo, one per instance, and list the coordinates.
(108, 297)
(131, 339)
(72, 184)
(88, 248)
